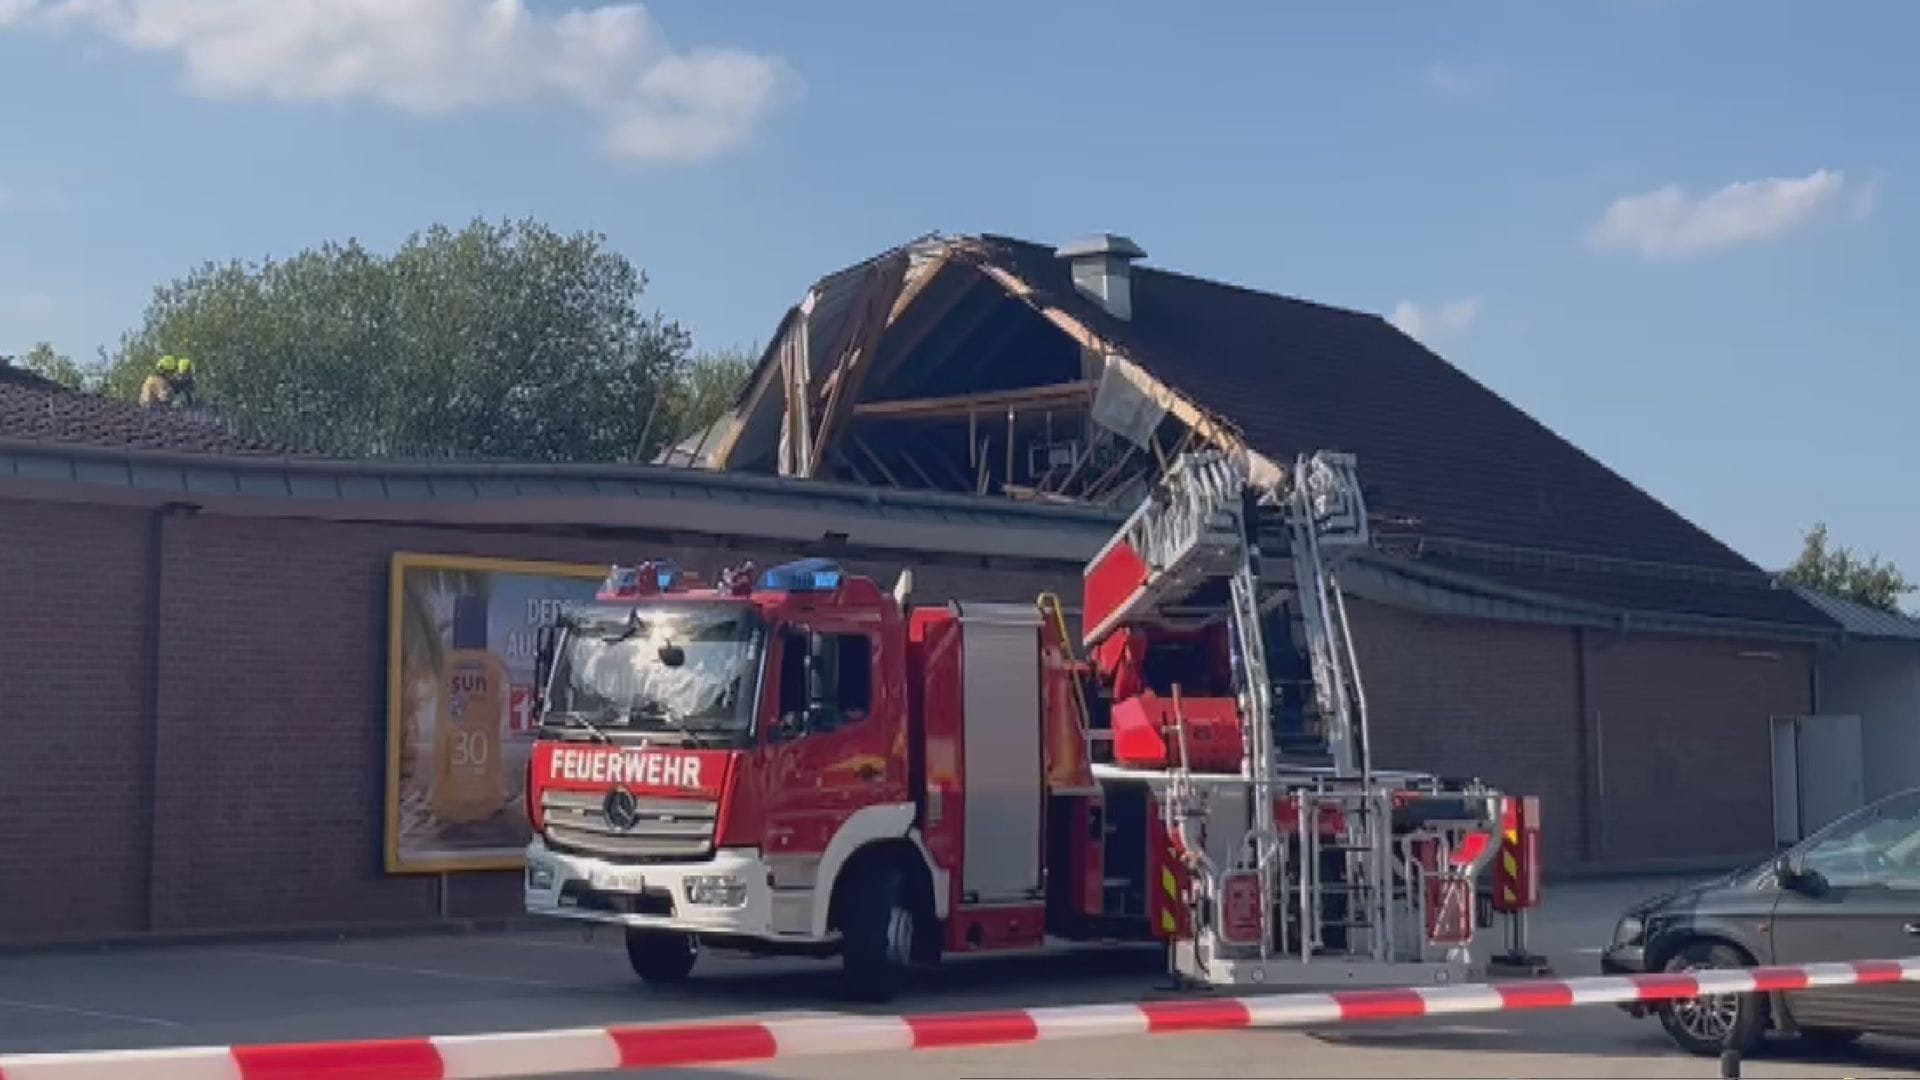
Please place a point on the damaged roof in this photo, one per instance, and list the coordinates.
(36, 409)
(1480, 485)
(1459, 479)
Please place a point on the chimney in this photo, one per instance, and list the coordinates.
(1103, 271)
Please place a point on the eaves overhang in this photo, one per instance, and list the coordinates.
(1406, 583)
(534, 495)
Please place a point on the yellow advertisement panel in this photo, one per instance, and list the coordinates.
(462, 635)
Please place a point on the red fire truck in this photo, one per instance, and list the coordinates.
(797, 761)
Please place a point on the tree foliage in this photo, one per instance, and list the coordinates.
(704, 389)
(1838, 570)
(48, 363)
(499, 341)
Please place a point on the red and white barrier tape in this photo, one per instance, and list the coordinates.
(540, 1053)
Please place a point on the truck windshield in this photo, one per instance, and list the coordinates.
(679, 670)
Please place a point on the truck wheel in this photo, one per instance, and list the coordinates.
(661, 956)
(877, 934)
(1709, 1024)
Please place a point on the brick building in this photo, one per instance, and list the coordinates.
(193, 627)
(193, 644)
(1526, 614)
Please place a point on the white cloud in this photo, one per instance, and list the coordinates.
(1457, 80)
(1669, 223)
(1433, 324)
(432, 57)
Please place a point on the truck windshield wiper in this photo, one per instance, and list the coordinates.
(654, 710)
(579, 719)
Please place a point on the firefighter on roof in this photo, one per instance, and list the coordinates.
(170, 383)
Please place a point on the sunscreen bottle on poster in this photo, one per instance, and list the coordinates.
(468, 780)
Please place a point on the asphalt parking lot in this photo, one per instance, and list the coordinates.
(313, 990)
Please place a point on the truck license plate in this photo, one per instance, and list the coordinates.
(617, 879)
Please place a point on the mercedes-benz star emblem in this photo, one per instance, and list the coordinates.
(622, 811)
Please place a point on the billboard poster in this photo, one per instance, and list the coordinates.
(461, 639)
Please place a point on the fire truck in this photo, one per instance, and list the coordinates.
(797, 761)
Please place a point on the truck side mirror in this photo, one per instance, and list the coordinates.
(819, 657)
(546, 640)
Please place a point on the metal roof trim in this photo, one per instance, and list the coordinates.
(1441, 591)
(517, 495)
(1861, 621)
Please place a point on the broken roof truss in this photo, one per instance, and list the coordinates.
(932, 367)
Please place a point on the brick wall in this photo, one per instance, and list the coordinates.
(73, 613)
(1667, 759)
(273, 711)
(1682, 728)
(1492, 700)
(269, 770)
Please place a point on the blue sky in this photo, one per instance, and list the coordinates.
(1677, 233)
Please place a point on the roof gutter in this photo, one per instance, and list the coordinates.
(1530, 606)
(639, 499)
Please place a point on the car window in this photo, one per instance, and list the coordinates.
(1878, 845)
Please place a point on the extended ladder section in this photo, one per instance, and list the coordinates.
(1305, 856)
(1205, 547)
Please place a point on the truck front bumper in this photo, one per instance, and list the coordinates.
(728, 895)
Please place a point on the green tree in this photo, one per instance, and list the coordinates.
(48, 363)
(502, 341)
(1838, 570)
(705, 389)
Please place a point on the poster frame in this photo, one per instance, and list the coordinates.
(398, 565)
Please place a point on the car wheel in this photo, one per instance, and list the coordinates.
(1711, 1023)
(661, 956)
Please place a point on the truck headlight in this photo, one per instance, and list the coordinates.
(539, 875)
(1629, 931)
(716, 890)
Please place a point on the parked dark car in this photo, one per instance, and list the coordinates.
(1849, 892)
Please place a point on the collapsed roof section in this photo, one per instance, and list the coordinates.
(932, 367)
(993, 365)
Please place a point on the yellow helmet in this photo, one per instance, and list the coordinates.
(167, 365)
(183, 365)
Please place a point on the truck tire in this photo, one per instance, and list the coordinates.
(661, 956)
(877, 933)
(1705, 1026)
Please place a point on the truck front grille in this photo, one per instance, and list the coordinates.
(663, 829)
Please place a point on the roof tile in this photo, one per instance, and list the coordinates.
(36, 409)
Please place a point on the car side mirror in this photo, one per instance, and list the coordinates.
(1795, 877)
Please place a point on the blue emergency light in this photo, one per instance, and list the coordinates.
(806, 575)
(667, 573)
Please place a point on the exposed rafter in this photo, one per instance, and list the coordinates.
(1051, 396)
(1262, 469)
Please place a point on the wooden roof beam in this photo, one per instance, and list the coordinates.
(1260, 467)
(1075, 394)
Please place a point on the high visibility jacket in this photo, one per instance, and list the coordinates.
(155, 391)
